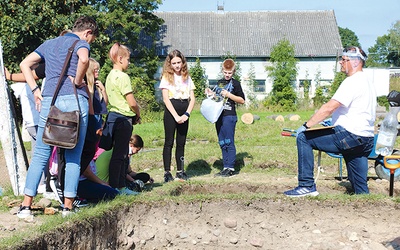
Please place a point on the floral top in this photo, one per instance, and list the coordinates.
(180, 90)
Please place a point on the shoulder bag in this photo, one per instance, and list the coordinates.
(62, 128)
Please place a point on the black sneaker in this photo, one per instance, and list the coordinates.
(181, 176)
(168, 177)
(136, 185)
(226, 172)
(80, 202)
(58, 192)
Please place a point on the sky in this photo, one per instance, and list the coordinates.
(369, 19)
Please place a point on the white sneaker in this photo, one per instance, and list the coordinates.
(24, 212)
(127, 191)
(67, 212)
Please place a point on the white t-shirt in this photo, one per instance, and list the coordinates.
(358, 105)
(29, 113)
(180, 89)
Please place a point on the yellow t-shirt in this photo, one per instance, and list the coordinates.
(118, 84)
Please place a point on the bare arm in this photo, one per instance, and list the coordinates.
(133, 105)
(83, 64)
(233, 97)
(324, 112)
(26, 68)
(18, 77)
(102, 89)
(92, 177)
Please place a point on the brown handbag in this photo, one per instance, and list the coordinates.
(62, 128)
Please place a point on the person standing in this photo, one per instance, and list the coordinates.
(226, 124)
(53, 52)
(353, 109)
(178, 95)
(123, 113)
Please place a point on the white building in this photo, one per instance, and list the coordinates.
(250, 36)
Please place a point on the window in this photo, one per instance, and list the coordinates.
(260, 87)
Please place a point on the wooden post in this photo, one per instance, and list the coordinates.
(10, 136)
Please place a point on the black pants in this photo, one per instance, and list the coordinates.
(170, 126)
(122, 133)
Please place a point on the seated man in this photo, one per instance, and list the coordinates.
(353, 115)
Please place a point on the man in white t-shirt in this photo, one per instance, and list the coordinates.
(353, 115)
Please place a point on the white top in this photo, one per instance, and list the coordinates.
(30, 115)
(358, 105)
(180, 89)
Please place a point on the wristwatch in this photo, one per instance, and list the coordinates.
(305, 125)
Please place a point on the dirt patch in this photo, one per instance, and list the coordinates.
(271, 222)
(229, 224)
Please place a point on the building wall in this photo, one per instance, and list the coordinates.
(307, 69)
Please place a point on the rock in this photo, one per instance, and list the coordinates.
(216, 232)
(233, 240)
(278, 118)
(293, 117)
(230, 223)
(256, 242)
(44, 202)
(183, 235)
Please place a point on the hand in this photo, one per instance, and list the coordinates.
(100, 85)
(301, 129)
(209, 92)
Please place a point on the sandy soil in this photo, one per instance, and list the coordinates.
(275, 223)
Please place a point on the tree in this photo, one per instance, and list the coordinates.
(283, 72)
(26, 24)
(199, 78)
(386, 51)
(348, 37)
(252, 83)
(378, 54)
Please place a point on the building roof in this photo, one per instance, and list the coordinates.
(248, 34)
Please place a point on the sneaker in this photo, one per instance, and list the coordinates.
(58, 192)
(66, 212)
(168, 177)
(24, 212)
(126, 191)
(302, 191)
(226, 172)
(136, 185)
(181, 176)
(80, 202)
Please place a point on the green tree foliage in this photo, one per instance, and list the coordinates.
(252, 83)
(26, 24)
(339, 78)
(386, 51)
(348, 37)
(378, 53)
(198, 75)
(283, 72)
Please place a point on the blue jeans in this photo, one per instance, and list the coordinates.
(226, 126)
(42, 151)
(355, 150)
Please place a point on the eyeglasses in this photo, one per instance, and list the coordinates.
(345, 60)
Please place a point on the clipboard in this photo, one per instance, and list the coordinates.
(319, 128)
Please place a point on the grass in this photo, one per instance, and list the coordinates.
(260, 149)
